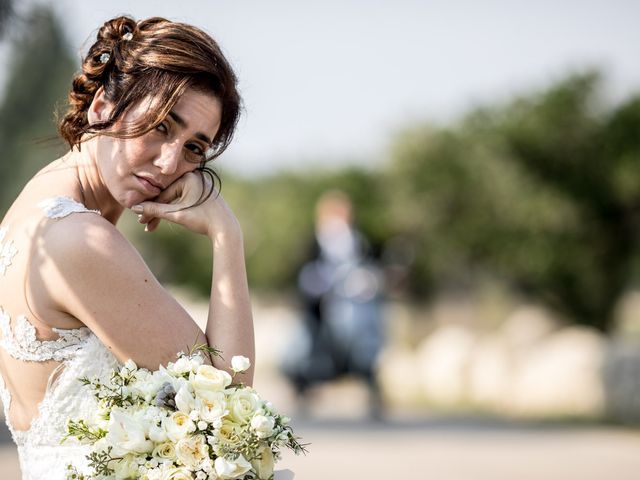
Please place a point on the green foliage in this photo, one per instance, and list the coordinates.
(82, 431)
(543, 192)
(40, 75)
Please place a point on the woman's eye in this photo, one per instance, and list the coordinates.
(162, 127)
(195, 153)
(195, 149)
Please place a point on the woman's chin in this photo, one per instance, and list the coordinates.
(132, 198)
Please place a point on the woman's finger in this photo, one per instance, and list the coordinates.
(167, 197)
(172, 192)
(152, 225)
(150, 210)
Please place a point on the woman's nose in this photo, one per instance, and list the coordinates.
(169, 158)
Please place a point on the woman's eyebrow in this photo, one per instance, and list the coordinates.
(180, 121)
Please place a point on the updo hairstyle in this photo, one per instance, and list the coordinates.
(157, 59)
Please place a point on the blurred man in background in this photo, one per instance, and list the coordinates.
(341, 291)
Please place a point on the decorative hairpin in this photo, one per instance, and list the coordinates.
(127, 36)
(104, 58)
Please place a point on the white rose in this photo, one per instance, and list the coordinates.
(211, 405)
(184, 399)
(243, 403)
(181, 473)
(211, 378)
(165, 450)
(191, 451)
(263, 464)
(178, 426)
(126, 434)
(262, 425)
(229, 435)
(227, 469)
(240, 363)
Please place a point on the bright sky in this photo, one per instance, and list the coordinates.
(326, 82)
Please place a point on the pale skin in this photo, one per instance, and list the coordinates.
(82, 271)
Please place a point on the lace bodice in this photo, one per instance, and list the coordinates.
(80, 353)
(23, 345)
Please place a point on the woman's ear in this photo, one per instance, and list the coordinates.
(100, 108)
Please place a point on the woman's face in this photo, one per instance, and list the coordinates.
(138, 169)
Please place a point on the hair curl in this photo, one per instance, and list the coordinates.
(153, 58)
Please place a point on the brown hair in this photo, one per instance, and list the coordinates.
(154, 58)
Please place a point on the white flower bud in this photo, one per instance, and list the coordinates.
(240, 363)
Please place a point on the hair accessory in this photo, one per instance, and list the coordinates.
(104, 58)
(127, 36)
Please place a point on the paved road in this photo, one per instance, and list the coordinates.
(448, 449)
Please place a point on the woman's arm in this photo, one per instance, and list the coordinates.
(97, 276)
(230, 322)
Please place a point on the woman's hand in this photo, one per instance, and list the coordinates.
(176, 203)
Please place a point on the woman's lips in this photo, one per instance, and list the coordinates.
(149, 187)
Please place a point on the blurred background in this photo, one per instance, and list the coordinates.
(441, 206)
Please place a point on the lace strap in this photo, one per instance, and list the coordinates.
(60, 207)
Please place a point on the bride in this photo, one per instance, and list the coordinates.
(154, 101)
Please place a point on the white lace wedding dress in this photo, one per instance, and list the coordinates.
(80, 353)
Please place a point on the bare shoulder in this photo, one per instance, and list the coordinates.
(98, 277)
(79, 235)
(85, 257)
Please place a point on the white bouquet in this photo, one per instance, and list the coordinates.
(189, 420)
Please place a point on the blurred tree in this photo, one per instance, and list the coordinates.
(6, 11)
(39, 76)
(544, 192)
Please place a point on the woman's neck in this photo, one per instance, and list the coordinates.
(91, 187)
